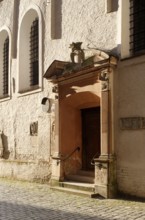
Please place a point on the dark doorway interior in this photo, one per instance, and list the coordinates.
(90, 136)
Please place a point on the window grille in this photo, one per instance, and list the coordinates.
(5, 66)
(34, 54)
(137, 26)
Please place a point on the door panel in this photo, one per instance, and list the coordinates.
(90, 136)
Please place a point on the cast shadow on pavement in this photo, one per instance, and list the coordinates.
(13, 211)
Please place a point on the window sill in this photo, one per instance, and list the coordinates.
(134, 56)
(30, 91)
(132, 61)
(4, 98)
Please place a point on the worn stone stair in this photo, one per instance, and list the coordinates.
(81, 183)
(76, 188)
(82, 176)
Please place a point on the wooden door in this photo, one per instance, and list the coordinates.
(90, 136)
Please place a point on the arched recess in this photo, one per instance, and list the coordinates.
(71, 131)
(5, 57)
(28, 69)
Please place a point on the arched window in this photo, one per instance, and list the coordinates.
(34, 53)
(4, 64)
(30, 52)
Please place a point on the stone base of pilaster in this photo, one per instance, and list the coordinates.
(105, 176)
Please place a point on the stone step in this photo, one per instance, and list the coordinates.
(75, 192)
(80, 178)
(88, 187)
(81, 183)
(86, 173)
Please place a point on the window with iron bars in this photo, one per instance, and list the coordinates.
(34, 53)
(137, 26)
(5, 66)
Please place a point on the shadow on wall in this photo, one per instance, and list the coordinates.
(56, 19)
(15, 28)
(116, 51)
(115, 5)
(6, 152)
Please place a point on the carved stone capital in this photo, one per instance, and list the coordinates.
(104, 78)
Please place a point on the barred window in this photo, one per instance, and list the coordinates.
(34, 53)
(5, 66)
(30, 52)
(137, 26)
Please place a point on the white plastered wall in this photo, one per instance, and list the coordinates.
(85, 21)
(124, 34)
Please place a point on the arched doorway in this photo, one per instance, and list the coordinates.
(84, 103)
(79, 125)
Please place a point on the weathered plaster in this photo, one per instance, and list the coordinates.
(78, 21)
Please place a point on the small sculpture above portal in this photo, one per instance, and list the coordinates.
(80, 60)
(77, 53)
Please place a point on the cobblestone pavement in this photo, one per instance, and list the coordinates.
(31, 201)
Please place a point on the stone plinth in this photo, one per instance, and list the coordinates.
(105, 178)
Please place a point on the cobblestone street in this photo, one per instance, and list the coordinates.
(21, 200)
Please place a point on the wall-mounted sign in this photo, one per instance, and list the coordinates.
(132, 123)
